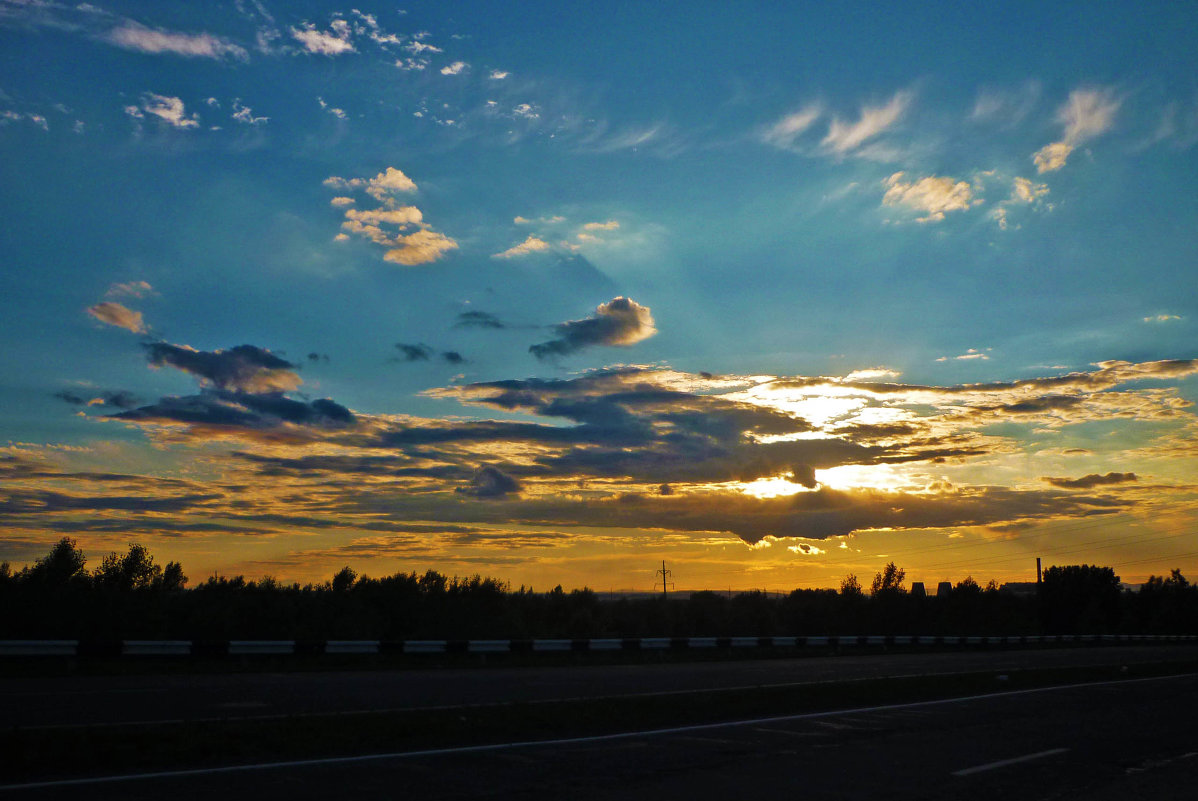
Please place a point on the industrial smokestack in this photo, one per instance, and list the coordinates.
(1038, 576)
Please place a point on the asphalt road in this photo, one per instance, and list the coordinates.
(1127, 740)
(92, 700)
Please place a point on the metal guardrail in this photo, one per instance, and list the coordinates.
(139, 648)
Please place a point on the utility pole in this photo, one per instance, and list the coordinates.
(666, 575)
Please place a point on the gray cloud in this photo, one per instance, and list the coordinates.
(1091, 480)
(414, 353)
(478, 319)
(245, 368)
(490, 482)
(620, 321)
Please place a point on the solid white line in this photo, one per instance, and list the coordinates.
(597, 738)
(1002, 763)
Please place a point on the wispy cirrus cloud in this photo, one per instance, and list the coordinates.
(1087, 113)
(785, 131)
(843, 138)
(132, 35)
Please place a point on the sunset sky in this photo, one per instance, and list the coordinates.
(552, 291)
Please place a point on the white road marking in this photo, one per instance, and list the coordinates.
(1002, 763)
(598, 738)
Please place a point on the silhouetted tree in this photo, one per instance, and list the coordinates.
(1080, 597)
(889, 581)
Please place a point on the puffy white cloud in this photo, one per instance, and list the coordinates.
(843, 137)
(325, 43)
(1161, 318)
(1052, 157)
(533, 244)
(168, 109)
(132, 36)
(422, 247)
(610, 225)
(498, 75)
(456, 68)
(118, 315)
(388, 182)
(403, 244)
(783, 132)
(933, 195)
(1025, 191)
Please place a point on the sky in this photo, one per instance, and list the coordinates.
(553, 292)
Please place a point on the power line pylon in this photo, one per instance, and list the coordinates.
(666, 583)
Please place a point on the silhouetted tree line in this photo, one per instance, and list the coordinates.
(130, 597)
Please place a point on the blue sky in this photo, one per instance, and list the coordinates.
(763, 274)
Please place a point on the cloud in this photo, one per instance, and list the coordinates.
(390, 181)
(168, 109)
(933, 195)
(456, 68)
(414, 352)
(498, 75)
(1051, 157)
(245, 115)
(118, 315)
(1162, 318)
(1091, 480)
(533, 244)
(341, 202)
(1008, 107)
(118, 398)
(336, 112)
(620, 321)
(478, 319)
(240, 412)
(133, 36)
(1087, 113)
(843, 138)
(420, 246)
(334, 42)
(490, 482)
(784, 132)
(610, 225)
(245, 368)
(971, 354)
(37, 119)
(1025, 191)
(132, 289)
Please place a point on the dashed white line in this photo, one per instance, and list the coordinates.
(1002, 763)
(628, 735)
